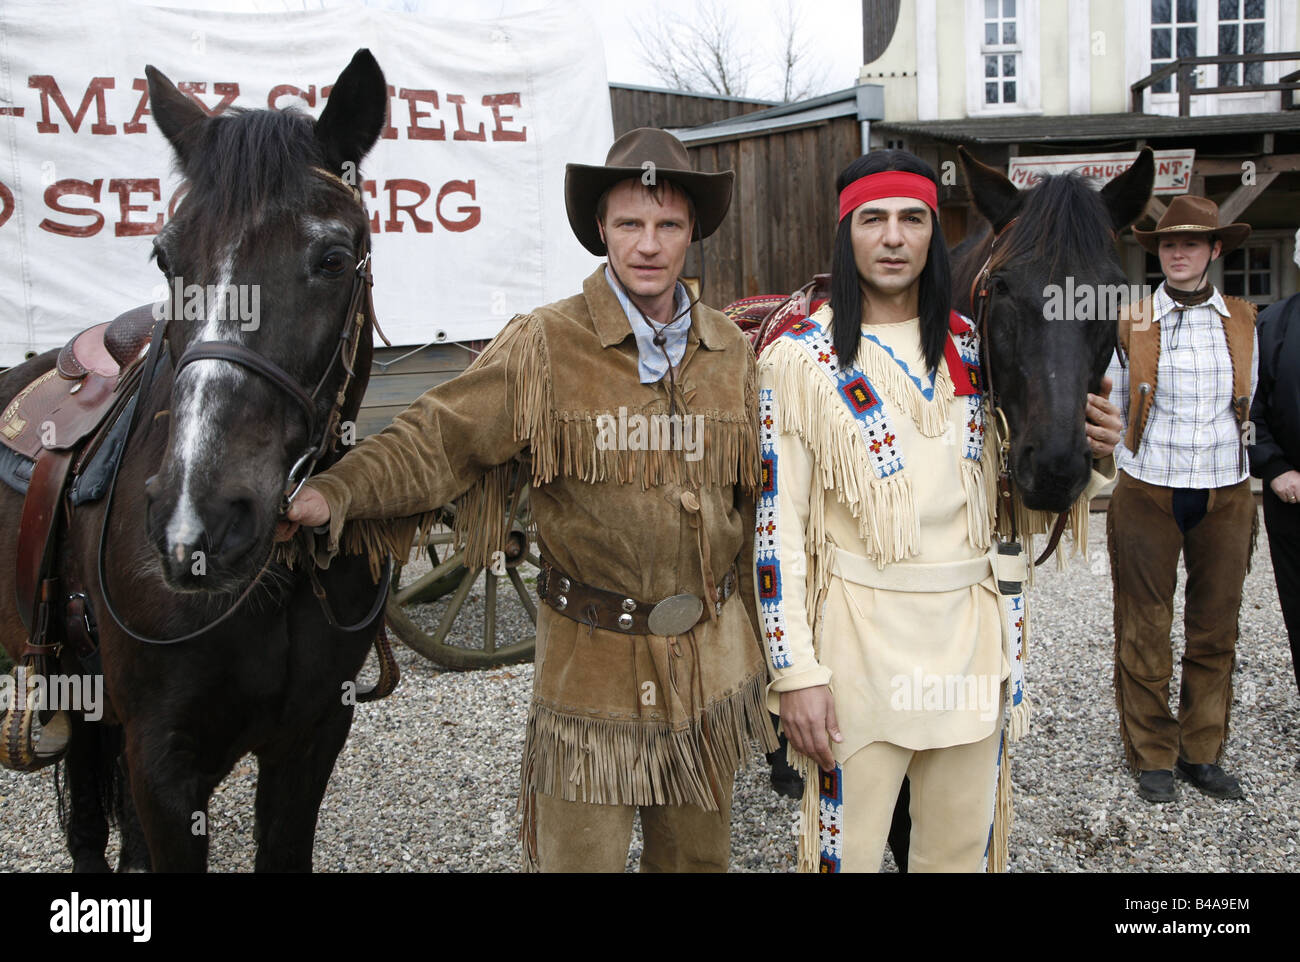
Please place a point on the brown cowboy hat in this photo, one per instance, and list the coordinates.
(1193, 215)
(631, 156)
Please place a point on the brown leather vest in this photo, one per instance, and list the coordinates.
(1140, 342)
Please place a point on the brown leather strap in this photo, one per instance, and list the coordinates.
(609, 610)
(389, 673)
(36, 529)
(1057, 530)
(234, 353)
(79, 630)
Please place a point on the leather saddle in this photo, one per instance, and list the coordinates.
(60, 421)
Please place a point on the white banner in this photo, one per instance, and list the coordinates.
(465, 187)
(1173, 168)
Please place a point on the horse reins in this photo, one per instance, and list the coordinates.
(981, 296)
(360, 313)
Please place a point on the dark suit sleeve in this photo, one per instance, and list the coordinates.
(1267, 459)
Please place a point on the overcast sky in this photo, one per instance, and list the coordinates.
(830, 29)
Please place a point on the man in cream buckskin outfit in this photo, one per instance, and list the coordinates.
(649, 678)
(884, 626)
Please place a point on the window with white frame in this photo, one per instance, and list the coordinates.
(1241, 30)
(1001, 50)
(1173, 36)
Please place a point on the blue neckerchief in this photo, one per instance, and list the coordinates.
(652, 365)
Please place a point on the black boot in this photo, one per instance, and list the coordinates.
(1157, 785)
(1210, 779)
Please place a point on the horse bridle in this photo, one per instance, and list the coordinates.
(981, 296)
(323, 437)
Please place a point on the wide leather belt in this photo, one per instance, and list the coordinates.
(611, 611)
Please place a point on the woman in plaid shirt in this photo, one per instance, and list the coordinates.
(1188, 371)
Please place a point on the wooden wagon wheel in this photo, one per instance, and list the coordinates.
(450, 577)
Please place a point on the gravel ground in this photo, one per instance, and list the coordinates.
(429, 777)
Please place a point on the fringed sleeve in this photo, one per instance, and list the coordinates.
(782, 521)
(454, 443)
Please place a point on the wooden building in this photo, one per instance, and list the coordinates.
(781, 226)
(1249, 164)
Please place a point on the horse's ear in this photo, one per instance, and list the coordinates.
(1127, 195)
(995, 197)
(179, 118)
(354, 115)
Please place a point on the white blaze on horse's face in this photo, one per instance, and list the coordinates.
(891, 245)
(208, 381)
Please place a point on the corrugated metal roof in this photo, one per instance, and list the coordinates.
(1128, 126)
(865, 101)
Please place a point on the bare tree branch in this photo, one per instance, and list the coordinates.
(801, 77)
(707, 55)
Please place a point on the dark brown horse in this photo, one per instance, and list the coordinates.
(190, 526)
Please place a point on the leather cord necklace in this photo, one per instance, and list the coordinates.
(660, 338)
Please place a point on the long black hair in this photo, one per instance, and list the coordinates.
(934, 302)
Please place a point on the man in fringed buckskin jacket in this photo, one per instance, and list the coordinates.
(635, 411)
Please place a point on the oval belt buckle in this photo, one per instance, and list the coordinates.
(675, 615)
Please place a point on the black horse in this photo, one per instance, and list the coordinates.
(1045, 355)
(190, 530)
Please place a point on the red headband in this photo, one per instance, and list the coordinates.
(888, 183)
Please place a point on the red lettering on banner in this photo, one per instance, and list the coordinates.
(50, 91)
(393, 225)
(134, 126)
(496, 102)
(415, 131)
(126, 227)
(79, 188)
(6, 204)
(472, 214)
(192, 88)
(309, 95)
(462, 133)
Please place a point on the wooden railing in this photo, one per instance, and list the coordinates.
(1185, 70)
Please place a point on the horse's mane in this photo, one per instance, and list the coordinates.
(1062, 221)
(247, 165)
